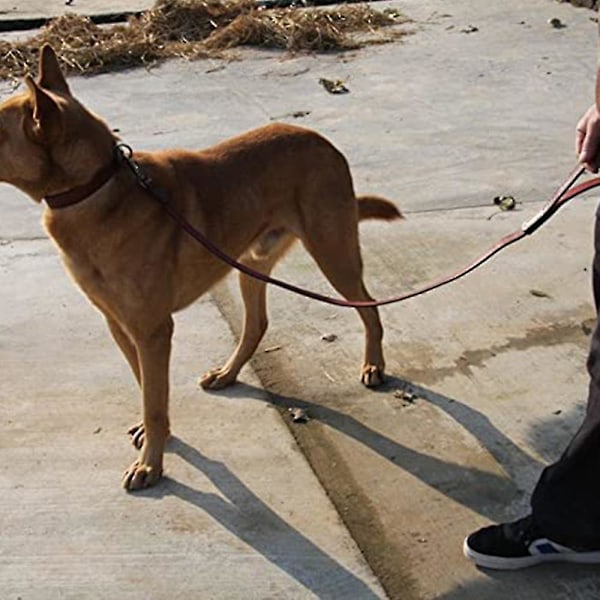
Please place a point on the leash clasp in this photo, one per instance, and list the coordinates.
(124, 154)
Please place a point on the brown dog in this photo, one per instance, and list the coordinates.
(252, 196)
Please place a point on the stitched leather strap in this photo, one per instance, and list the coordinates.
(80, 193)
(124, 154)
(565, 193)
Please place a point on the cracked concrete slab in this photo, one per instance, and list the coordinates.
(240, 511)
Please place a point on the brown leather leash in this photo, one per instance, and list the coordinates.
(565, 193)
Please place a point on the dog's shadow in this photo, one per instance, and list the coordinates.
(485, 492)
(247, 517)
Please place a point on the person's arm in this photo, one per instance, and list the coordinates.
(587, 137)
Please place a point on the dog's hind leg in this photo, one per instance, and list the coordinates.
(336, 250)
(262, 258)
(126, 345)
(153, 348)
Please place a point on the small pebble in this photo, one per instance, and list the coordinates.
(329, 337)
(299, 415)
(272, 349)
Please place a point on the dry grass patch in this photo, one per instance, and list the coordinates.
(196, 29)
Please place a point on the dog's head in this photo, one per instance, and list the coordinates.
(49, 142)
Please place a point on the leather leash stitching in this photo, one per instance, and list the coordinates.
(565, 193)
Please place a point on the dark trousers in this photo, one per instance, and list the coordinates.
(566, 499)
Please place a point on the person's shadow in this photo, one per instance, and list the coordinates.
(246, 516)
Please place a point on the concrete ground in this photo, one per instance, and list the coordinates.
(482, 100)
(35, 9)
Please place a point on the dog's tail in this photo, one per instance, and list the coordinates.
(372, 207)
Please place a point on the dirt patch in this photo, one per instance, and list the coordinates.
(544, 336)
(195, 29)
(585, 3)
(389, 562)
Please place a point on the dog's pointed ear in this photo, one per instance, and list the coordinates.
(46, 114)
(50, 74)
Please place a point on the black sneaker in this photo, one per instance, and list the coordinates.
(520, 544)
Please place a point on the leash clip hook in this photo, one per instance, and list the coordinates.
(125, 154)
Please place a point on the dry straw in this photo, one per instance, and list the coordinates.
(196, 29)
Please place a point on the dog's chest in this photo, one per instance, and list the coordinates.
(79, 254)
(90, 278)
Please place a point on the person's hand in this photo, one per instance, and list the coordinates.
(587, 139)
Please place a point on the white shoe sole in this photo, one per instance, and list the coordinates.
(512, 563)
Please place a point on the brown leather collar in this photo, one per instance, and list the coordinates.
(80, 193)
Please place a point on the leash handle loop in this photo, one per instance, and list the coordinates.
(554, 203)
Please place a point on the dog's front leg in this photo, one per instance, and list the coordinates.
(153, 350)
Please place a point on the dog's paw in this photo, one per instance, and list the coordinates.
(216, 379)
(371, 376)
(136, 433)
(140, 476)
